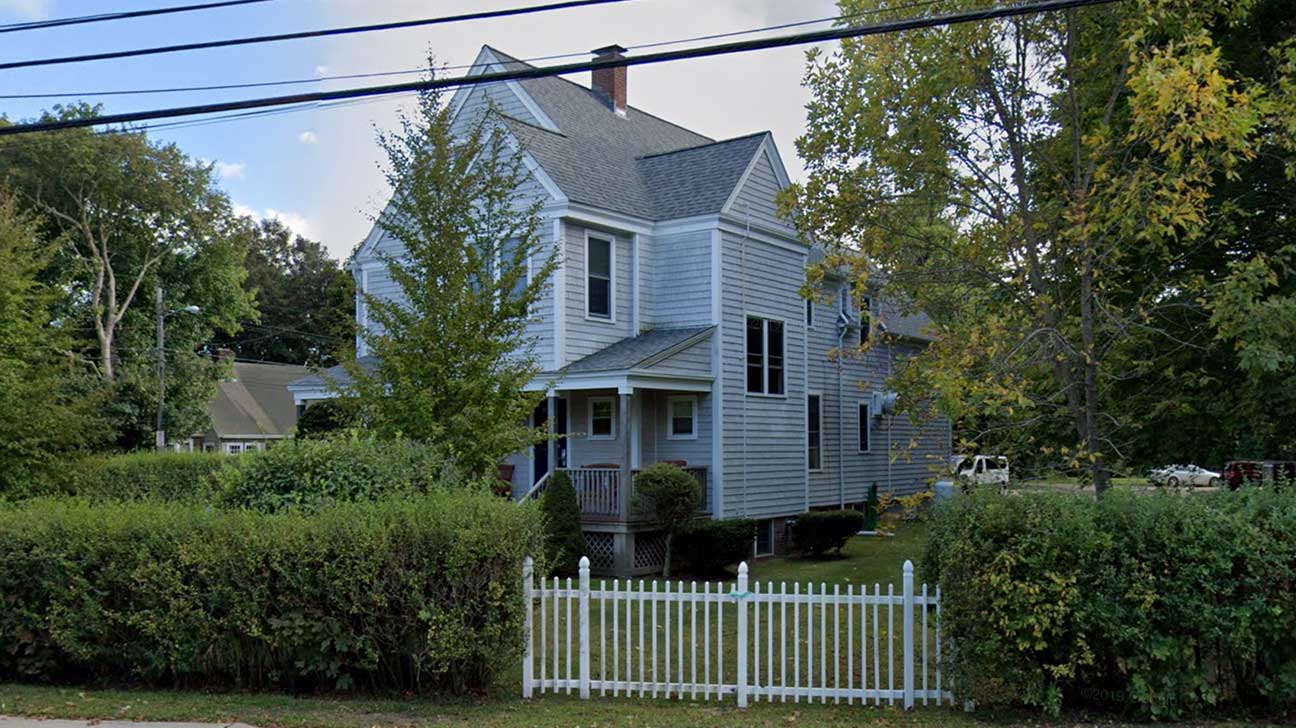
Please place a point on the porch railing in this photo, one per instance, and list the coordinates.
(598, 490)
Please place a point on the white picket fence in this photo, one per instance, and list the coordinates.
(833, 643)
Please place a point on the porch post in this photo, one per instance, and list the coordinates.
(623, 411)
(551, 425)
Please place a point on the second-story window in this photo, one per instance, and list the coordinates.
(865, 318)
(809, 313)
(598, 278)
(765, 369)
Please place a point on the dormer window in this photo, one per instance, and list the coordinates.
(598, 278)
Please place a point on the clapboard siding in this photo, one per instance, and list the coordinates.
(584, 335)
(758, 196)
(694, 361)
(655, 446)
(764, 436)
(861, 375)
(482, 97)
(681, 281)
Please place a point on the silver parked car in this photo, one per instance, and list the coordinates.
(1190, 475)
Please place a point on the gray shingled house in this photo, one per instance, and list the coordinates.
(252, 408)
(674, 329)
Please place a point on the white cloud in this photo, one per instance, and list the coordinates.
(294, 221)
(26, 9)
(308, 137)
(230, 170)
(321, 70)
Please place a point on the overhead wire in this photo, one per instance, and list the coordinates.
(531, 72)
(121, 15)
(324, 78)
(303, 34)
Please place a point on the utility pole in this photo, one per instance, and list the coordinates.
(158, 433)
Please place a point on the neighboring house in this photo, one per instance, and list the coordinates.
(674, 329)
(252, 408)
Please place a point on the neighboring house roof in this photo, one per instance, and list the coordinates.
(638, 164)
(640, 350)
(255, 401)
(336, 375)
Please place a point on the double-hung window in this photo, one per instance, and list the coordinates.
(602, 418)
(682, 418)
(814, 433)
(865, 423)
(598, 278)
(765, 356)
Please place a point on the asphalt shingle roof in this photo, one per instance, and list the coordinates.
(337, 375)
(638, 164)
(256, 400)
(630, 352)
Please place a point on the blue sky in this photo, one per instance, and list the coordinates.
(318, 170)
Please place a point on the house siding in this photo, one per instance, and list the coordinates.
(482, 97)
(694, 361)
(656, 446)
(586, 336)
(764, 436)
(758, 196)
(681, 281)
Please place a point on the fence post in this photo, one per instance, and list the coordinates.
(584, 628)
(528, 651)
(741, 598)
(908, 586)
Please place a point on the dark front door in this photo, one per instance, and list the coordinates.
(541, 449)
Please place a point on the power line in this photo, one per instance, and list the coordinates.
(743, 46)
(423, 69)
(322, 33)
(123, 15)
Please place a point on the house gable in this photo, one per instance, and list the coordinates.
(755, 197)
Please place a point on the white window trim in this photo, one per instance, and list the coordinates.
(670, 417)
(819, 469)
(765, 356)
(589, 418)
(865, 421)
(612, 277)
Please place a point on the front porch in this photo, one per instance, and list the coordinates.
(599, 491)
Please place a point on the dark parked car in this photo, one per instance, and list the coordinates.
(1259, 472)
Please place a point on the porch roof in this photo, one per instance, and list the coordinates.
(627, 364)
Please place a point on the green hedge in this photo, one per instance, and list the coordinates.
(817, 532)
(308, 473)
(420, 594)
(179, 476)
(709, 547)
(1163, 605)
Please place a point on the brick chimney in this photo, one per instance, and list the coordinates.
(610, 82)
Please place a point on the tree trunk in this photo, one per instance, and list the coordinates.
(1089, 432)
(106, 366)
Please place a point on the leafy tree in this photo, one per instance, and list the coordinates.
(670, 497)
(325, 417)
(305, 300)
(564, 540)
(1035, 184)
(132, 215)
(46, 403)
(453, 354)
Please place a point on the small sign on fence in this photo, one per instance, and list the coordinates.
(774, 643)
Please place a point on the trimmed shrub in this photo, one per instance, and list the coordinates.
(308, 473)
(670, 497)
(564, 540)
(421, 594)
(818, 532)
(709, 547)
(1164, 605)
(173, 476)
(325, 417)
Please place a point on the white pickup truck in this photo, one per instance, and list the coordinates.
(980, 469)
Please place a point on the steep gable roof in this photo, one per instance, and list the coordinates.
(256, 400)
(637, 164)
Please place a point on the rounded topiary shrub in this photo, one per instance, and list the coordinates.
(307, 473)
(818, 533)
(564, 540)
(669, 497)
(709, 547)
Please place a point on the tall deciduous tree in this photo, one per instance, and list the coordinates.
(305, 300)
(454, 357)
(47, 398)
(1034, 184)
(131, 215)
